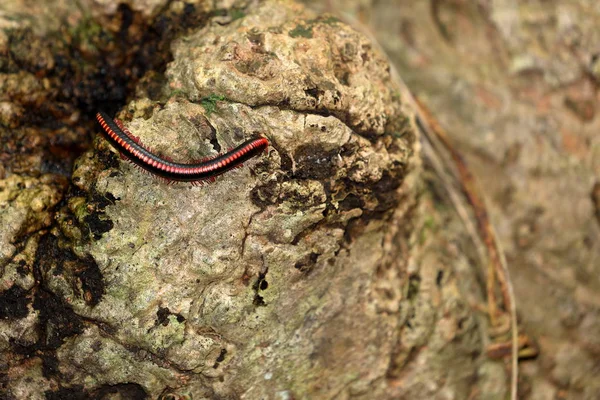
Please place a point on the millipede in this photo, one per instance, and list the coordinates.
(205, 170)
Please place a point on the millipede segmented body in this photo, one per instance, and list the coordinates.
(206, 170)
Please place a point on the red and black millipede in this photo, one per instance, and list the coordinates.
(206, 170)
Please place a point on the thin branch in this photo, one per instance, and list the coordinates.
(433, 136)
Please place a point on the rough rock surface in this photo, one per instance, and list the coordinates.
(293, 277)
(258, 283)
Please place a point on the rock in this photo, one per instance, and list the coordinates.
(258, 283)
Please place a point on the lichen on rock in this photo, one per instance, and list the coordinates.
(254, 285)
